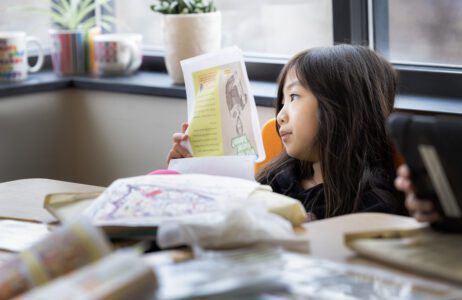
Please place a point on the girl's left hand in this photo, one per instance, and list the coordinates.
(421, 210)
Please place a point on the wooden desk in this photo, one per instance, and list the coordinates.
(24, 199)
(326, 236)
(327, 241)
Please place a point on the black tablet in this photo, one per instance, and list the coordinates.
(432, 148)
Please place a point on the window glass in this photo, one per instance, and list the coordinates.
(425, 31)
(13, 17)
(262, 27)
(275, 28)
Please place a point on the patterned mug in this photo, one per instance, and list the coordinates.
(117, 54)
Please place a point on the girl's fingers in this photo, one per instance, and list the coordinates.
(403, 171)
(403, 184)
(172, 155)
(421, 210)
(416, 205)
(184, 127)
(181, 151)
(177, 152)
(427, 217)
(403, 180)
(179, 137)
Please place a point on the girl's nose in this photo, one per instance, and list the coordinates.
(281, 117)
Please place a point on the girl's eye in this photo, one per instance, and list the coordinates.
(293, 97)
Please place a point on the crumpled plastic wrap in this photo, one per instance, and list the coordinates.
(238, 226)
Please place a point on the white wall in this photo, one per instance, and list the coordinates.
(87, 136)
(34, 135)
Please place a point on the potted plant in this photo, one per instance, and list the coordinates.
(75, 22)
(191, 28)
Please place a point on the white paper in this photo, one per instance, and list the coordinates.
(231, 127)
(17, 236)
(232, 166)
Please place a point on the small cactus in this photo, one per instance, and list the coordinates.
(184, 6)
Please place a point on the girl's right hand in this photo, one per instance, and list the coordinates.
(177, 150)
(421, 210)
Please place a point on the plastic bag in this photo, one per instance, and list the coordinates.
(238, 226)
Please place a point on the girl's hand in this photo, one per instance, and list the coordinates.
(421, 210)
(177, 150)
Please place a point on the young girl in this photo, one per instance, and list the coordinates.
(331, 108)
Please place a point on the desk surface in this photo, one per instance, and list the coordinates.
(23, 199)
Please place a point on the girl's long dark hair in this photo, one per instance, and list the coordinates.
(355, 89)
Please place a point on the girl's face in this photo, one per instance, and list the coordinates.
(298, 121)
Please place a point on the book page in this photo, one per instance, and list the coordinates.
(222, 114)
(17, 235)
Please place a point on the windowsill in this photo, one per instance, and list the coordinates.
(143, 83)
(160, 84)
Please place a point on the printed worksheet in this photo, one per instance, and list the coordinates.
(222, 114)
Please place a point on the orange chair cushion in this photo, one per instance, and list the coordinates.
(271, 142)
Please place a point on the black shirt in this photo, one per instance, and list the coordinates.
(288, 183)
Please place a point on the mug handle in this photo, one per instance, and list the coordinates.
(133, 65)
(39, 63)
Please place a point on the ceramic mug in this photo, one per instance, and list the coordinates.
(117, 54)
(71, 51)
(13, 55)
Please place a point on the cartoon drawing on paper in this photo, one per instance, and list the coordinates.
(237, 102)
(236, 99)
(143, 200)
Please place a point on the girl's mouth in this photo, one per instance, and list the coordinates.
(284, 135)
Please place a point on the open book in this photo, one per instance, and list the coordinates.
(81, 256)
(222, 116)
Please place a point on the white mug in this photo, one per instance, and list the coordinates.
(117, 54)
(13, 55)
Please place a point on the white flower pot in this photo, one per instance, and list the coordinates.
(189, 35)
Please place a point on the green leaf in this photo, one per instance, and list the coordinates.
(80, 16)
(189, 4)
(85, 3)
(108, 7)
(55, 8)
(173, 7)
(183, 6)
(64, 4)
(62, 22)
(87, 24)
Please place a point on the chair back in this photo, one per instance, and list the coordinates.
(271, 143)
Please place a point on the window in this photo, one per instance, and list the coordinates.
(14, 18)
(265, 28)
(269, 28)
(421, 31)
(420, 37)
